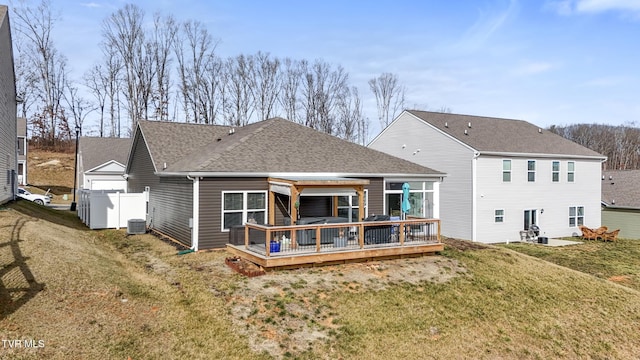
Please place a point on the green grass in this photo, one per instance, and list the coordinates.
(618, 261)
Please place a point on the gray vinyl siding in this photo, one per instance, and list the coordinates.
(627, 220)
(375, 196)
(170, 198)
(406, 135)
(8, 134)
(171, 207)
(141, 171)
(211, 236)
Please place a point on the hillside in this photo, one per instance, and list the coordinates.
(51, 170)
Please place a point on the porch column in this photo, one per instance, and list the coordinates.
(294, 197)
(360, 191)
(272, 208)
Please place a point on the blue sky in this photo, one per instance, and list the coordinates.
(547, 62)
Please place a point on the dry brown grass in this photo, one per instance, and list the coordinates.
(51, 170)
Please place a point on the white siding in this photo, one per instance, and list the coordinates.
(440, 153)
(520, 194)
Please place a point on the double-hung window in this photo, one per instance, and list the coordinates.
(571, 170)
(506, 170)
(531, 170)
(555, 171)
(499, 215)
(240, 207)
(576, 216)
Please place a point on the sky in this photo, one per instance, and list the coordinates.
(549, 62)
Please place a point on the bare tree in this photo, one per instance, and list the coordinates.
(47, 66)
(96, 81)
(321, 86)
(267, 84)
(77, 107)
(164, 34)
(123, 32)
(239, 85)
(290, 85)
(197, 69)
(390, 97)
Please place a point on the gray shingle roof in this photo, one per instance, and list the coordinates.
(488, 134)
(271, 146)
(621, 188)
(96, 151)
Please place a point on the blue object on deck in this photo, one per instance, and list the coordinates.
(406, 205)
(274, 247)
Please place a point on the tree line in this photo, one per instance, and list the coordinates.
(170, 71)
(620, 144)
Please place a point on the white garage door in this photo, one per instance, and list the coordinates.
(108, 185)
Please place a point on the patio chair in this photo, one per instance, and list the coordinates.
(611, 235)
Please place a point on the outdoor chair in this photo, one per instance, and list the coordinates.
(611, 235)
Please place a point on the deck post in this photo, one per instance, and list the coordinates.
(272, 208)
(246, 237)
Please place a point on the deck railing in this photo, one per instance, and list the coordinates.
(316, 238)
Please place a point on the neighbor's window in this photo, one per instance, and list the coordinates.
(571, 169)
(241, 207)
(506, 170)
(531, 170)
(555, 171)
(576, 216)
(499, 215)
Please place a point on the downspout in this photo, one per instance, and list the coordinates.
(195, 217)
(474, 191)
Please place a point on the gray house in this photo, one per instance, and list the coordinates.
(621, 202)
(8, 132)
(101, 163)
(502, 175)
(203, 180)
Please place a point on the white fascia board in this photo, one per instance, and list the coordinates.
(285, 175)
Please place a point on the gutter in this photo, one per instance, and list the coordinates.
(190, 174)
(539, 155)
(194, 223)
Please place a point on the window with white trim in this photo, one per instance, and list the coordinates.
(531, 170)
(576, 216)
(348, 206)
(571, 169)
(506, 170)
(240, 207)
(499, 215)
(555, 171)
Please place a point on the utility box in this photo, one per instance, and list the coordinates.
(136, 226)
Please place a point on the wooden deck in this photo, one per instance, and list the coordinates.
(310, 245)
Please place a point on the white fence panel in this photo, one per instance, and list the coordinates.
(110, 210)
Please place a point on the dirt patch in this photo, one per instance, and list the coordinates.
(463, 245)
(284, 312)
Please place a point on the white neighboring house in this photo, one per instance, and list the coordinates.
(101, 163)
(22, 151)
(503, 175)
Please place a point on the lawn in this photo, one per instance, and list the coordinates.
(102, 294)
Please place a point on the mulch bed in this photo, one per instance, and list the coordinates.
(244, 267)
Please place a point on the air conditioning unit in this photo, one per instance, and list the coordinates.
(136, 226)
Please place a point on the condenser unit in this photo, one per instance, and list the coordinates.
(136, 226)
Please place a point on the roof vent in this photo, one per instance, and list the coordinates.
(469, 124)
(613, 202)
(610, 177)
(164, 166)
(232, 131)
(466, 132)
(602, 177)
(539, 131)
(446, 124)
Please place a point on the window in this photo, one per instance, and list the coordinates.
(531, 170)
(499, 215)
(506, 170)
(348, 207)
(241, 207)
(576, 216)
(555, 171)
(571, 168)
(421, 198)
